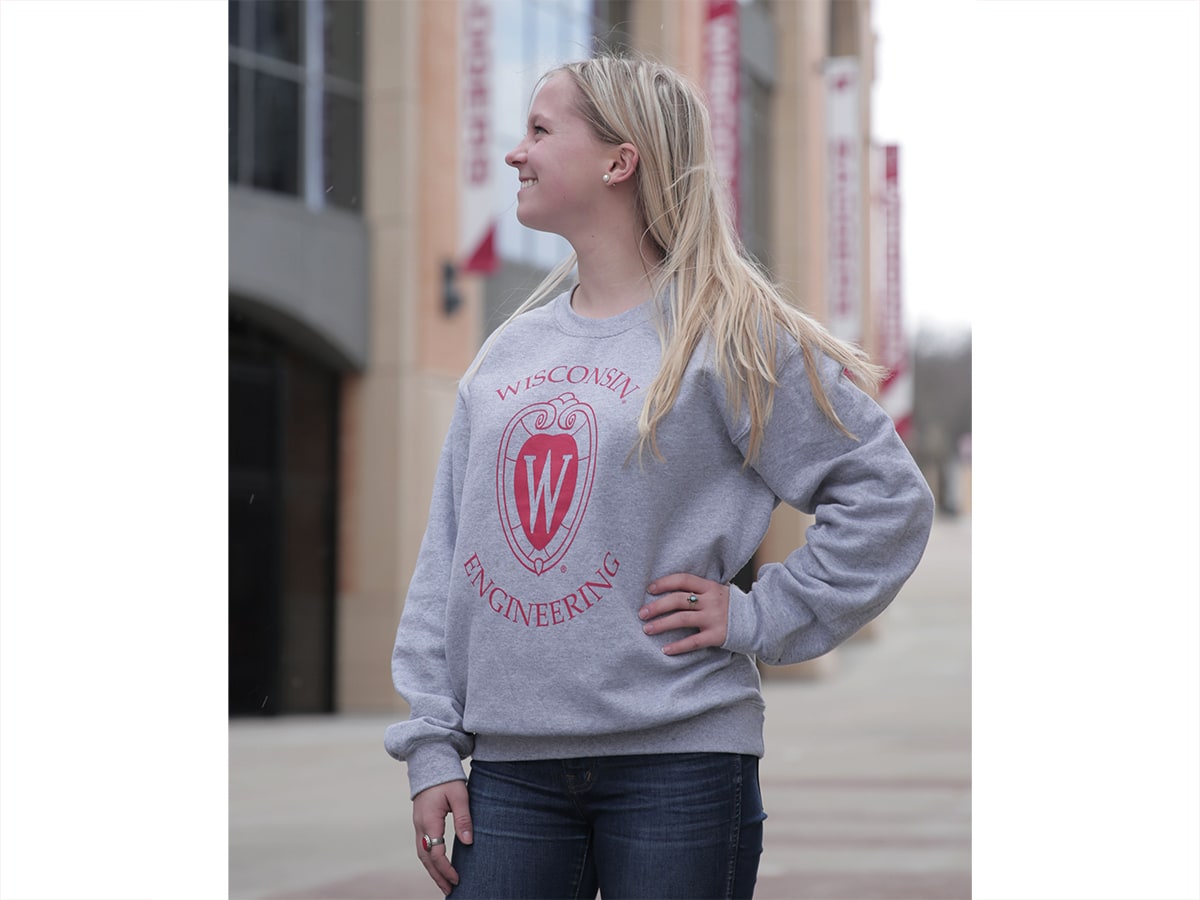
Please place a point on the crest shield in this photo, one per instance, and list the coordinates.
(544, 473)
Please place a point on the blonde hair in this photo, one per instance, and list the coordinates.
(715, 288)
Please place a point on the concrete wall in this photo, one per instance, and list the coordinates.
(395, 414)
(301, 272)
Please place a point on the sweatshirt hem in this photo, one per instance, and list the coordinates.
(732, 729)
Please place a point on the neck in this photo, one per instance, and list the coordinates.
(614, 277)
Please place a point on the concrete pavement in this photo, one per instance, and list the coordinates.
(866, 780)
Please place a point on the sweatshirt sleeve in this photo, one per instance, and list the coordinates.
(432, 741)
(873, 512)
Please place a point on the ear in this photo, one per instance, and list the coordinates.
(623, 164)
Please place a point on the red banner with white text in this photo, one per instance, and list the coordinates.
(843, 295)
(722, 64)
(896, 392)
(477, 219)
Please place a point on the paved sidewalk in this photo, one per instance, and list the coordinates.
(866, 780)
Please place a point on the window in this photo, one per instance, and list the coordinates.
(295, 99)
(529, 39)
(614, 21)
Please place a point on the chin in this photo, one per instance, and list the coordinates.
(531, 222)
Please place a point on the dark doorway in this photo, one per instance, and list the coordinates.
(282, 527)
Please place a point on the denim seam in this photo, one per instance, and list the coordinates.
(736, 829)
(583, 865)
(575, 797)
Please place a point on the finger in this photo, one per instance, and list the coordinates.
(441, 870)
(704, 631)
(700, 640)
(679, 581)
(708, 627)
(460, 810)
(430, 808)
(672, 620)
(673, 603)
(444, 882)
(435, 861)
(429, 819)
(657, 608)
(712, 635)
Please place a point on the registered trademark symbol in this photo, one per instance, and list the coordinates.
(563, 569)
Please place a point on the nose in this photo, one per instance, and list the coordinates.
(516, 155)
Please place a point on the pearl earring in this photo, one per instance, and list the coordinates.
(606, 177)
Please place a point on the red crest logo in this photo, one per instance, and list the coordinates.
(544, 477)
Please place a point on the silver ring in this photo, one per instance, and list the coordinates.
(693, 599)
(429, 843)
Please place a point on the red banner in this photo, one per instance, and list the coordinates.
(893, 351)
(844, 310)
(896, 393)
(477, 222)
(722, 64)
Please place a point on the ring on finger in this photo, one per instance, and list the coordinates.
(430, 842)
(692, 599)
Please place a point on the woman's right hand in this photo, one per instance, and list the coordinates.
(430, 808)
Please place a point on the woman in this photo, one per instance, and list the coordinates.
(613, 461)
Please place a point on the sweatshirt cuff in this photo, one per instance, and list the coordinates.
(740, 625)
(430, 764)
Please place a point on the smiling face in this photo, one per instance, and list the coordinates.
(560, 161)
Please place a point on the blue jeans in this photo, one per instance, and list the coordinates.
(685, 825)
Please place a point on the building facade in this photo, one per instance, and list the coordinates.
(353, 311)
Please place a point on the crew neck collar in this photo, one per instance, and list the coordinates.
(573, 323)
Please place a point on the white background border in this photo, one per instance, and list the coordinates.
(1069, 165)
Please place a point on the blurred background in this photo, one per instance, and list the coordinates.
(373, 246)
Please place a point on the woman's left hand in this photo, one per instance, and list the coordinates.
(708, 613)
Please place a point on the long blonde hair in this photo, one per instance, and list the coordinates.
(715, 288)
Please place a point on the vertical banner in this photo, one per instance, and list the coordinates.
(476, 221)
(844, 219)
(896, 392)
(722, 63)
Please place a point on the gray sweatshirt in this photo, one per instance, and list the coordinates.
(520, 636)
